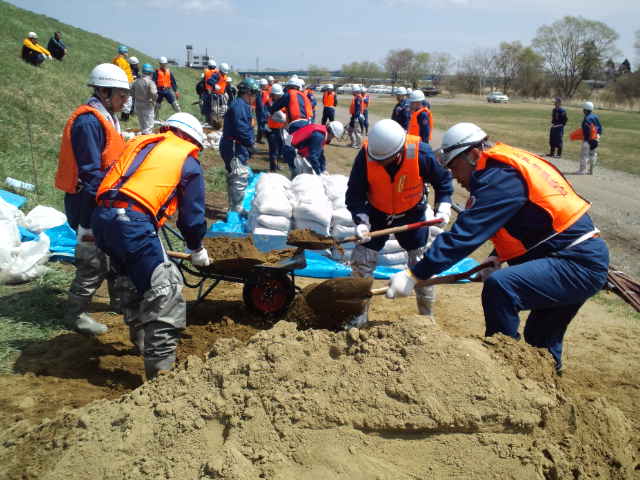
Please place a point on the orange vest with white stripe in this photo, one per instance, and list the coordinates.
(294, 110)
(414, 128)
(222, 83)
(207, 76)
(329, 99)
(546, 188)
(271, 123)
(407, 188)
(163, 78)
(67, 174)
(153, 184)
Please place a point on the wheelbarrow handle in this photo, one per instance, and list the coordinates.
(180, 255)
(401, 228)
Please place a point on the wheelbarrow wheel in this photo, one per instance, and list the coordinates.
(269, 296)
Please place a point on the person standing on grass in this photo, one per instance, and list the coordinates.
(329, 103)
(167, 86)
(421, 120)
(556, 132)
(145, 94)
(122, 61)
(589, 133)
(537, 223)
(401, 112)
(91, 143)
(365, 110)
(356, 123)
(263, 101)
(57, 47)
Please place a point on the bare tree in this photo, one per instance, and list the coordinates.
(562, 44)
(418, 68)
(507, 63)
(397, 63)
(439, 66)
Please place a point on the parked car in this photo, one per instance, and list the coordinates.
(430, 91)
(347, 87)
(497, 97)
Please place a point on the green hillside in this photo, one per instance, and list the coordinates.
(40, 99)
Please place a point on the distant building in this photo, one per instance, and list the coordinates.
(199, 60)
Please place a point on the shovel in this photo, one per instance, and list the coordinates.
(312, 241)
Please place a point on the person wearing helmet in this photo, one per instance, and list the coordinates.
(216, 83)
(329, 104)
(537, 223)
(263, 101)
(206, 98)
(365, 109)
(167, 87)
(295, 103)
(91, 143)
(356, 123)
(232, 91)
(312, 99)
(556, 132)
(271, 80)
(309, 142)
(236, 144)
(275, 123)
(121, 60)
(145, 94)
(421, 120)
(57, 47)
(387, 188)
(401, 112)
(589, 133)
(33, 52)
(156, 176)
(134, 63)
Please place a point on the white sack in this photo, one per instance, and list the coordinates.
(41, 218)
(273, 222)
(342, 216)
(26, 262)
(268, 231)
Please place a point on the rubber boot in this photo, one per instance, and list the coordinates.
(136, 335)
(115, 293)
(76, 318)
(176, 106)
(154, 367)
(559, 152)
(425, 296)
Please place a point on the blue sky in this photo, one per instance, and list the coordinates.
(286, 34)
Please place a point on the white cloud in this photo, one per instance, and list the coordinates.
(190, 6)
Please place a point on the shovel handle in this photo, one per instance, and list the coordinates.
(379, 291)
(180, 255)
(401, 228)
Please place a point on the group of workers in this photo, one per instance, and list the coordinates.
(118, 195)
(34, 53)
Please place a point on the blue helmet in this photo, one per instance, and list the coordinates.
(147, 68)
(123, 49)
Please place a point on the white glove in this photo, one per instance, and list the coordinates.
(363, 229)
(444, 212)
(217, 87)
(361, 117)
(401, 284)
(486, 272)
(200, 258)
(84, 235)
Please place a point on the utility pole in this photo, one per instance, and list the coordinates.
(257, 64)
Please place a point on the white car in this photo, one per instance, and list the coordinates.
(497, 97)
(347, 87)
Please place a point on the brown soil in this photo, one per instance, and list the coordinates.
(340, 298)
(309, 239)
(232, 256)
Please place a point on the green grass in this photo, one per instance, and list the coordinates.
(526, 125)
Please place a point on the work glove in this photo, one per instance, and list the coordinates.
(200, 258)
(361, 117)
(85, 235)
(401, 284)
(363, 229)
(444, 212)
(486, 272)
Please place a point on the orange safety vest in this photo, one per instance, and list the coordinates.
(407, 188)
(294, 112)
(67, 174)
(271, 123)
(352, 108)
(222, 83)
(329, 99)
(579, 135)
(266, 99)
(546, 187)
(163, 78)
(207, 76)
(153, 184)
(414, 128)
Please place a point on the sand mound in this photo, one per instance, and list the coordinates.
(399, 401)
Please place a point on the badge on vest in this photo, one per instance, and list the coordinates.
(401, 181)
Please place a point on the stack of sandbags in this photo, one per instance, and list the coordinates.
(342, 225)
(312, 208)
(393, 255)
(272, 206)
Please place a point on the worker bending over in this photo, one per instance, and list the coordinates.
(387, 188)
(296, 104)
(91, 143)
(309, 142)
(167, 87)
(421, 120)
(538, 225)
(156, 176)
(237, 142)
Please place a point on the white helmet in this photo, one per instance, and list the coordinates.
(409, 90)
(270, 78)
(295, 75)
(336, 128)
(279, 116)
(108, 75)
(386, 138)
(293, 82)
(401, 91)
(32, 35)
(276, 89)
(188, 124)
(329, 86)
(301, 81)
(134, 60)
(263, 82)
(163, 60)
(363, 89)
(212, 63)
(224, 67)
(459, 138)
(416, 96)
(587, 106)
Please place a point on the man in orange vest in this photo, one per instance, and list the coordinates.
(356, 123)
(537, 223)
(167, 86)
(91, 143)
(421, 120)
(212, 69)
(387, 188)
(275, 123)
(365, 110)
(156, 176)
(329, 103)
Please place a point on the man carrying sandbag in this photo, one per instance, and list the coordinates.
(387, 188)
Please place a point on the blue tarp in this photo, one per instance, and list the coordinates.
(235, 225)
(63, 242)
(12, 198)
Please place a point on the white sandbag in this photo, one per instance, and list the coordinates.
(41, 218)
(340, 231)
(272, 180)
(392, 246)
(309, 186)
(272, 203)
(268, 231)
(26, 261)
(335, 186)
(392, 258)
(342, 216)
(319, 211)
(11, 212)
(273, 222)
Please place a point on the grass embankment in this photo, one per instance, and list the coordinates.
(36, 103)
(526, 125)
